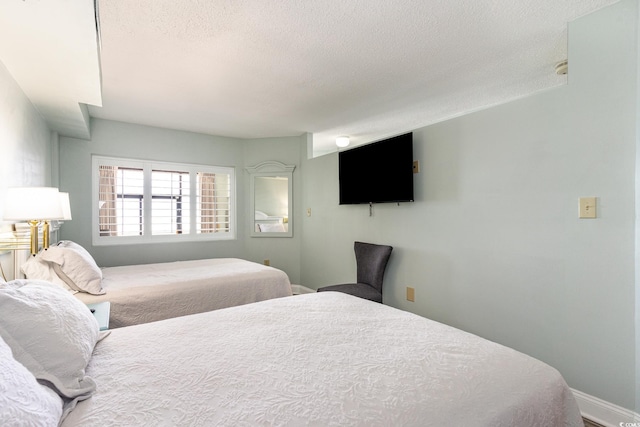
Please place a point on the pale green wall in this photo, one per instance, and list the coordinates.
(25, 147)
(493, 243)
(118, 139)
(25, 139)
(637, 241)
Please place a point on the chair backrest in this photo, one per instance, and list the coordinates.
(371, 262)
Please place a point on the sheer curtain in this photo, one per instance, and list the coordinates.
(207, 203)
(107, 199)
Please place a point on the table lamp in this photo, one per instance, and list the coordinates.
(34, 205)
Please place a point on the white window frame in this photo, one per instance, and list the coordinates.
(148, 166)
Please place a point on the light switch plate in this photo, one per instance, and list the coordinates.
(587, 207)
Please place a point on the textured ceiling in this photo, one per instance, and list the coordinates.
(363, 68)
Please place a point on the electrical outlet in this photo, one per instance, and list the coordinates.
(411, 294)
(266, 262)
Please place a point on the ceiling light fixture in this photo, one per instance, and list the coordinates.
(342, 141)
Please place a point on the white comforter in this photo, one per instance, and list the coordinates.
(150, 292)
(317, 359)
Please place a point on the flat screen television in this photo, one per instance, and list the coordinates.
(380, 172)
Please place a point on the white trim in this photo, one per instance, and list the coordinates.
(147, 166)
(299, 289)
(603, 412)
(270, 166)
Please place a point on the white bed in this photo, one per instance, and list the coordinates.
(317, 359)
(150, 292)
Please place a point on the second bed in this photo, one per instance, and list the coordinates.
(151, 292)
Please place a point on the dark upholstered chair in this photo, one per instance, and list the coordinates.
(371, 261)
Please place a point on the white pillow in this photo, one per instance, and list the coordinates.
(76, 247)
(271, 228)
(51, 333)
(23, 401)
(75, 266)
(38, 269)
(22, 397)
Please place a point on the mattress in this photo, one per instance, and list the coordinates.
(150, 292)
(324, 359)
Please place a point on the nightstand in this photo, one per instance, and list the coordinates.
(101, 313)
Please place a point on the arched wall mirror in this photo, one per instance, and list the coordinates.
(271, 199)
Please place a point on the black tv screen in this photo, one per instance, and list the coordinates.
(380, 172)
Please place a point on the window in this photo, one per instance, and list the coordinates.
(137, 201)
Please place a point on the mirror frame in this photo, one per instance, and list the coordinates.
(270, 168)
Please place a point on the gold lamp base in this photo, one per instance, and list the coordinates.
(34, 236)
(45, 234)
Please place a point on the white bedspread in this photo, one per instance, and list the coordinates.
(150, 292)
(317, 359)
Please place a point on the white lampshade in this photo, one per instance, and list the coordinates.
(32, 203)
(66, 206)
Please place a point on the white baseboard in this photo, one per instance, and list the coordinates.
(299, 289)
(603, 412)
